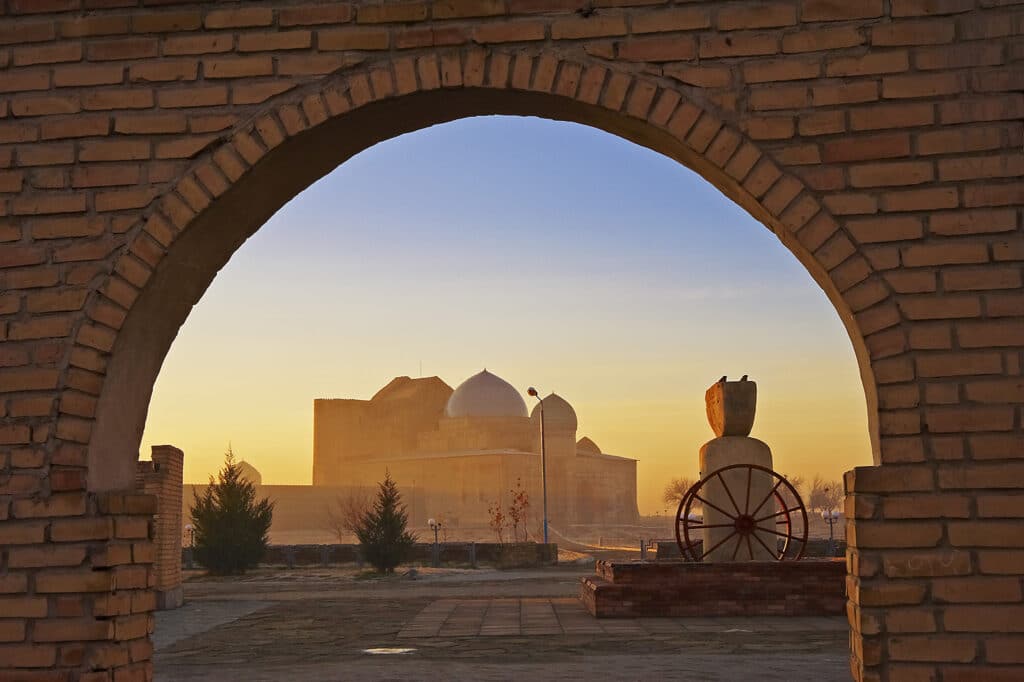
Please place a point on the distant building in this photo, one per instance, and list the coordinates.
(248, 472)
(463, 450)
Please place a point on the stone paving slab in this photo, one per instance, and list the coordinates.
(197, 617)
(567, 616)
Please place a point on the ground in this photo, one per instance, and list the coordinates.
(325, 624)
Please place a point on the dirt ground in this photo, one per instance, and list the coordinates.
(451, 624)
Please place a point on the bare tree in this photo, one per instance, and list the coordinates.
(344, 516)
(498, 522)
(825, 494)
(518, 512)
(835, 494)
(799, 484)
(675, 490)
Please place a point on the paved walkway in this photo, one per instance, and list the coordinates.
(445, 627)
(567, 617)
(198, 617)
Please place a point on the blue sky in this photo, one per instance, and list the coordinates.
(551, 253)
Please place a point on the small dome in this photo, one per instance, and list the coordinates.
(586, 445)
(557, 412)
(485, 395)
(250, 473)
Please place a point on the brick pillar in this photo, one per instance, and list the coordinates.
(76, 577)
(932, 592)
(162, 477)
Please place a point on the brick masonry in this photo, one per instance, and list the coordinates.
(161, 477)
(811, 587)
(880, 140)
(77, 590)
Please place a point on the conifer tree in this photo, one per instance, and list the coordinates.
(231, 526)
(382, 533)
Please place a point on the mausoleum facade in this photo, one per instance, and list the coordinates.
(467, 448)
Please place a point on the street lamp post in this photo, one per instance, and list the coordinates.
(435, 526)
(543, 460)
(831, 516)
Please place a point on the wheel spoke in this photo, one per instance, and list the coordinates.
(717, 545)
(739, 543)
(750, 548)
(772, 516)
(766, 547)
(714, 506)
(767, 497)
(746, 506)
(729, 493)
(775, 532)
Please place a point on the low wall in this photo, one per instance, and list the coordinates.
(811, 587)
(669, 549)
(518, 555)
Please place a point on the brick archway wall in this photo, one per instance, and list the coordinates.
(879, 140)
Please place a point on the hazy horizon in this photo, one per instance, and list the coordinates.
(553, 254)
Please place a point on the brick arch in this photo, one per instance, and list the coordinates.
(126, 130)
(237, 183)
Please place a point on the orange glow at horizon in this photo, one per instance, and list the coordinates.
(663, 434)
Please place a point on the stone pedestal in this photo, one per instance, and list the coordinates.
(721, 452)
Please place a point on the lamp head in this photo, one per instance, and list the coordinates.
(431, 522)
(532, 392)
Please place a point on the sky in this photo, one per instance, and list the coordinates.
(553, 254)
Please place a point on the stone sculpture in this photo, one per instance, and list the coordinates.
(731, 406)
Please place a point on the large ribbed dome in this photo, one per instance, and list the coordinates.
(557, 412)
(485, 395)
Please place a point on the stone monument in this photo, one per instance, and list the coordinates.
(732, 497)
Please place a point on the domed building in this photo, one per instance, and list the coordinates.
(248, 472)
(461, 450)
(485, 395)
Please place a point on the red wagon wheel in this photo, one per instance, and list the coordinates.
(747, 525)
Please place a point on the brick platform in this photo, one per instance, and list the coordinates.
(755, 588)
